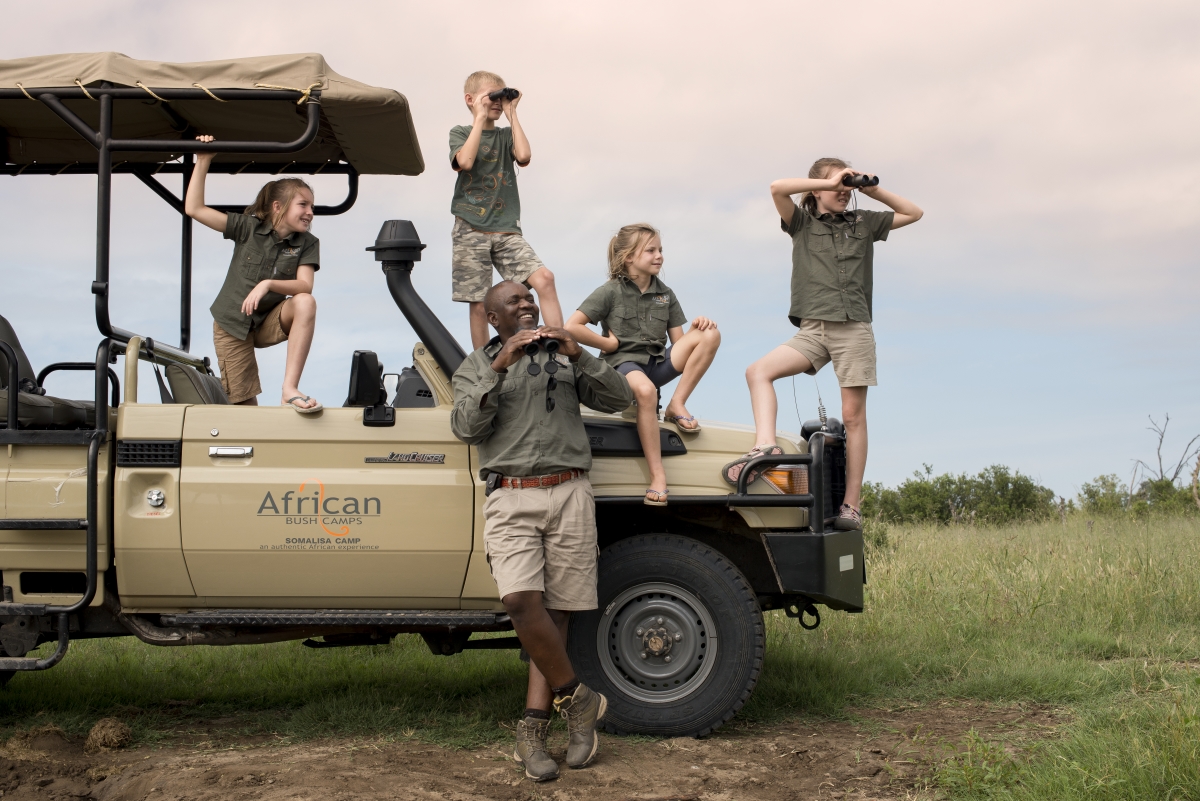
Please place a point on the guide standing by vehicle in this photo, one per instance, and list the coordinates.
(521, 411)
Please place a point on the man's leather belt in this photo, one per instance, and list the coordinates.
(533, 482)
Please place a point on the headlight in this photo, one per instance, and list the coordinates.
(788, 479)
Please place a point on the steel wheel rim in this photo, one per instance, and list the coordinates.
(674, 666)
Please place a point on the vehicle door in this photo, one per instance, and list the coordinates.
(279, 508)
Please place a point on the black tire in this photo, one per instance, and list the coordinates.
(678, 593)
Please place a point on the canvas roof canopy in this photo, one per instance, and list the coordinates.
(368, 127)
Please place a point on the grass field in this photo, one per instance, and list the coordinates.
(1101, 621)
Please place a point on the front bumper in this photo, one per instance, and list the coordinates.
(827, 568)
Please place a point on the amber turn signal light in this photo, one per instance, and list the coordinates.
(788, 480)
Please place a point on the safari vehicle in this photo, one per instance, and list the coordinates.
(195, 522)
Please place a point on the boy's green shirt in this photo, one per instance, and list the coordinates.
(485, 196)
(638, 319)
(832, 276)
(258, 254)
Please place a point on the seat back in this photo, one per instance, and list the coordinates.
(24, 368)
(189, 385)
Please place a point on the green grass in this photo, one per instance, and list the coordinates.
(1102, 623)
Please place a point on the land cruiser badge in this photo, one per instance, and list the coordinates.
(407, 458)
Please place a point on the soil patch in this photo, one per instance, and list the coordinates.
(880, 754)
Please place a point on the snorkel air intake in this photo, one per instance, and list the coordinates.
(398, 247)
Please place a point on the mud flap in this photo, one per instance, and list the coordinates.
(828, 568)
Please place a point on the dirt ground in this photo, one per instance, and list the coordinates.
(883, 754)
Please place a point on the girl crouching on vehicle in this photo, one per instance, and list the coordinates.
(638, 313)
(267, 295)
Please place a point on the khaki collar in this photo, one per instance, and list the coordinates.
(656, 287)
(265, 229)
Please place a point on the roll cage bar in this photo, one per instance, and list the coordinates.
(115, 339)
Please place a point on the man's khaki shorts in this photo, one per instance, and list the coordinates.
(544, 540)
(850, 345)
(235, 357)
(476, 252)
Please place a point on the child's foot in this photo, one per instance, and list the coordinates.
(657, 493)
(682, 420)
(303, 404)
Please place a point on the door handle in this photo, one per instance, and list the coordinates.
(235, 452)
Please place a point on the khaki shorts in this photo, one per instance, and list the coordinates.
(544, 540)
(850, 345)
(235, 357)
(476, 252)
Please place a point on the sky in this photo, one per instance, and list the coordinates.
(1039, 313)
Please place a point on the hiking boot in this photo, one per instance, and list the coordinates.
(848, 519)
(583, 711)
(531, 750)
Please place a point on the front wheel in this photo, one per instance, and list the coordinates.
(677, 642)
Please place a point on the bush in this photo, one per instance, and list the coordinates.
(994, 496)
(1109, 495)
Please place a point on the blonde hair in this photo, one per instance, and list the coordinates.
(281, 192)
(478, 79)
(629, 241)
(807, 201)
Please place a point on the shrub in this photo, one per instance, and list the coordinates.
(1109, 495)
(995, 495)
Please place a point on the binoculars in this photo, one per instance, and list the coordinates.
(507, 93)
(531, 350)
(860, 180)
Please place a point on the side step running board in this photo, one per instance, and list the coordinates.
(410, 620)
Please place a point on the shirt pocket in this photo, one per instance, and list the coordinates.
(857, 239)
(820, 239)
(285, 266)
(510, 397)
(251, 262)
(658, 319)
(624, 322)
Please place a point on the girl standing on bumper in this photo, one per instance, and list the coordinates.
(267, 295)
(832, 251)
(638, 313)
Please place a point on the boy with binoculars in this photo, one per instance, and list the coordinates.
(487, 207)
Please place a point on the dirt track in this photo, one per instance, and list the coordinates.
(883, 755)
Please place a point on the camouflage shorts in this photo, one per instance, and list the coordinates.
(476, 252)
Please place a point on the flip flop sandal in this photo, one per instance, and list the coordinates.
(768, 450)
(662, 497)
(302, 409)
(675, 418)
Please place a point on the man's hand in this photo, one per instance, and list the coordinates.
(513, 350)
(702, 324)
(205, 158)
(250, 304)
(567, 345)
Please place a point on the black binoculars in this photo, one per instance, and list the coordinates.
(531, 350)
(507, 93)
(860, 180)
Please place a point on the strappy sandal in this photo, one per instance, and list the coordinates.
(676, 418)
(303, 409)
(755, 452)
(662, 497)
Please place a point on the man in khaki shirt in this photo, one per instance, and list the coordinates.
(521, 412)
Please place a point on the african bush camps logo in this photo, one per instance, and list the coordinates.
(309, 505)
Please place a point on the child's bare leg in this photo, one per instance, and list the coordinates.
(479, 325)
(761, 377)
(854, 416)
(691, 355)
(646, 395)
(542, 282)
(298, 317)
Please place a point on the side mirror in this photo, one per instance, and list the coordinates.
(367, 390)
(390, 382)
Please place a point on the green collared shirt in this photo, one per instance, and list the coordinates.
(504, 414)
(639, 319)
(831, 263)
(258, 255)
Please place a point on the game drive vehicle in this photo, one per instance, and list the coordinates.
(196, 522)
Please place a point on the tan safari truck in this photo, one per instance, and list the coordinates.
(194, 522)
